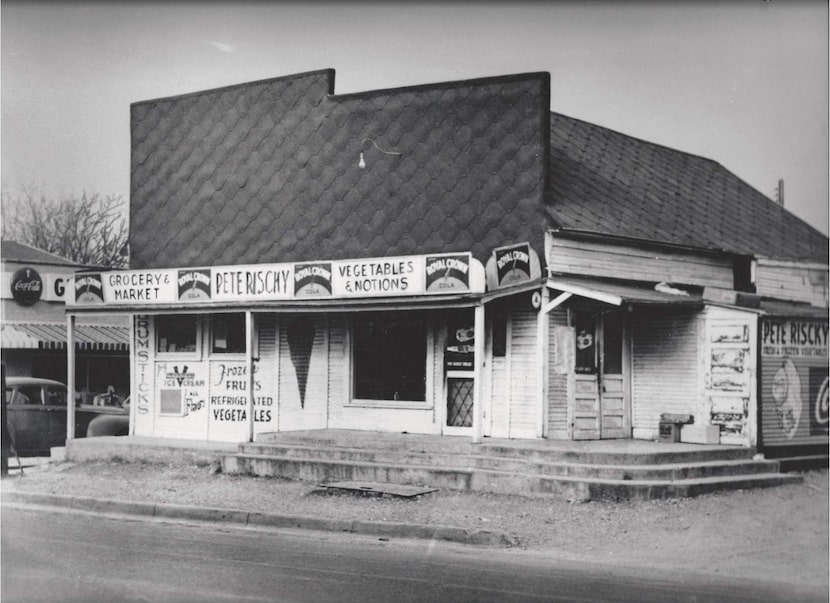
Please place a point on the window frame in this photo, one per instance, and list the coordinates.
(211, 332)
(429, 343)
(195, 354)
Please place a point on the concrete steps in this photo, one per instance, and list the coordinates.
(536, 469)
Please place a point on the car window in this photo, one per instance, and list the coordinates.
(56, 396)
(28, 394)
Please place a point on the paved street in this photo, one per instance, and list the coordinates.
(65, 556)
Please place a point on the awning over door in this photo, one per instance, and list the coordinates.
(52, 336)
(618, 293)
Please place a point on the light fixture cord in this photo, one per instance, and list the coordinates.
(365, 140)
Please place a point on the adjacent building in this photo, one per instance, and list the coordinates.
(453, 259)
(35, 285)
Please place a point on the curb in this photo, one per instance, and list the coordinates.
(269, 520)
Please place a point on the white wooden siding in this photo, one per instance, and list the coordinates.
(524, 400)
(591, 258)
(559, 374)
(436, 392)
(265, 375)
(313, 414)
(792, 282)
(339, 365)
(500, 398)
(664, 368)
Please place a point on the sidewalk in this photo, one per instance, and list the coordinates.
(777, 534)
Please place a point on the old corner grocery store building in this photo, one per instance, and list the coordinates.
(448, 259)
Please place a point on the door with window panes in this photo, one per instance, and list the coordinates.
(600, 406)
(460, 371)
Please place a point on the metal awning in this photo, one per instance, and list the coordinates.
(792, 309)
(52, 336)
(617, 293)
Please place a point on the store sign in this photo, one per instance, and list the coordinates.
(795, 379)
(794, 338)
(139, 286)
(513, 264)
(438, 274)
(89, 289)
(254, 282)
(55, 285)
(459, 354)
(194, 285)
(446, 273)
(27, 286)
(312, 280)
(379, 277)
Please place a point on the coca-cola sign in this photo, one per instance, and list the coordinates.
(27, 286)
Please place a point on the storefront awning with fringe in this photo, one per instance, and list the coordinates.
(52, 336)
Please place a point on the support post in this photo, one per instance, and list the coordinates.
(70, 377)
(249, 370)
(542, 364)
(478, 375)
(133, 383)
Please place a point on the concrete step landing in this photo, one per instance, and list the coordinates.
(627, 470)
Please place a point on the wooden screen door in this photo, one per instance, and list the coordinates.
(600, 406)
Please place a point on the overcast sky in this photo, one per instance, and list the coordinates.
(743, 83)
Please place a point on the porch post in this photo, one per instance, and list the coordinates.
(478, 375)
(133, 385)
(249, 370)
(542, 364)
(70, 377)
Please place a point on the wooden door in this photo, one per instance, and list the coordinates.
(586, 415)
(613, 405)
(586, 410)
(600, 400)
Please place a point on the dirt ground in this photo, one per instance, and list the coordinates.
(776, 534)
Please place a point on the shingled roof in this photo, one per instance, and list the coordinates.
(605, 182)
(12, 251)
(268, 171)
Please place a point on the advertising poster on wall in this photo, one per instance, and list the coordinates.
(513, 264)
(794, 381)
(312, 280)
(228, 401)
(89, 289)
(194, 285)
(180, 397)
(445, 273)
(460, 352)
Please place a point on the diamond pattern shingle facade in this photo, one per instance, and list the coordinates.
(605, 182)
(268, 171)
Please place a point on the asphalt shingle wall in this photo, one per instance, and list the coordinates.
(268, 171)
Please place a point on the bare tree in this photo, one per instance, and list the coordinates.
(89, 229)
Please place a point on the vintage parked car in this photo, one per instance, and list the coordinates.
(36, 412)
(111, 424)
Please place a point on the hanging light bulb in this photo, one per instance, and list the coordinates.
(362, 163)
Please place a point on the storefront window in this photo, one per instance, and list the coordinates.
(390, 357)
(176, 333)
(228, 334)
